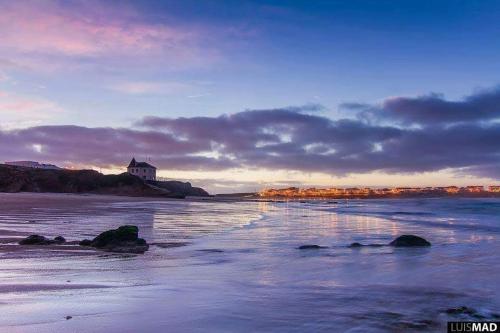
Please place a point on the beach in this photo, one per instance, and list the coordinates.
(226, 266)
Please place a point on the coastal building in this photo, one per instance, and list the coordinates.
(494, 188)
(474, 189)
(142, 169)
(33, 164)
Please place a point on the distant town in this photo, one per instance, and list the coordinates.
(355, 192)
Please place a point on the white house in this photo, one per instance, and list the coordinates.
(33, 164)
(142, 169)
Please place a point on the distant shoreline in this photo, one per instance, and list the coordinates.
(401, 196)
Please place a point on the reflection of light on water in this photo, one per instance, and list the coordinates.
(259, 274)
(263, 207)
(194, 219)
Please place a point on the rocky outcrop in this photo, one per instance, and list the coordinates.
(19, 179)
(41, 240)
(182, 188)
(125, 239)
(311, 247)
(401, 241)
(60, 239)
(468, 312)
(409, 241)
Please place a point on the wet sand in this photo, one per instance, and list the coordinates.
(227, 267)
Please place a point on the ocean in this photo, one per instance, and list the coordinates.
(240, 269)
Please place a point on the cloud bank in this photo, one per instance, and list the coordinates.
(433, 109)
(464, 135)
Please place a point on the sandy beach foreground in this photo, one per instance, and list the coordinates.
(236, 266)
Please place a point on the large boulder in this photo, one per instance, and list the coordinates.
(409, 240)
(125, 239)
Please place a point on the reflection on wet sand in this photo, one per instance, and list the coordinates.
(226, 267)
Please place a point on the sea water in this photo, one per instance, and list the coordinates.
(240, 269)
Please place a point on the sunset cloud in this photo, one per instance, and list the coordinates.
(291, 138)
(24, 110)
(33, 32)
(146, 88)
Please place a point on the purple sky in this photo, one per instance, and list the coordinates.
(240, 95)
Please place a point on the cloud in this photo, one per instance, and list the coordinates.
(433, 109)
(147, 88)
(285, 139)
(38, 33)
(104, 147)
(22, 110)
(3, 77)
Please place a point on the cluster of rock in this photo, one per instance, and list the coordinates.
(41, 240)
(125, 239)
(401, 241)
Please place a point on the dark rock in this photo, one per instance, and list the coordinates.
(460, 310)
(311, 247)
(35, 240)
(68, 317)
(180, 188)
(409, 240)
(85, 242)
(211, 250)
(59, 240)
(141, 241)
(124, 233)
(122, 240)
(170, 244)
(416, 325)
(356, 245)
(127, 247)
(463, 310)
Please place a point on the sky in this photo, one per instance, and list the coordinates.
(241, 95)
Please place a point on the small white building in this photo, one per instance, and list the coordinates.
(142, 169)
(33, 164)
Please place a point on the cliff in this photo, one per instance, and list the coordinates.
(18, 179)
(181, 188)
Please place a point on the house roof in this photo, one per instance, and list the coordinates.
(132, 163)
(144, 165)
(135, 164)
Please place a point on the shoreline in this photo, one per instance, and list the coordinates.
(232, 198)
(29, 204)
